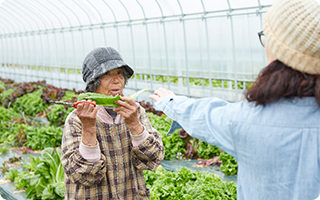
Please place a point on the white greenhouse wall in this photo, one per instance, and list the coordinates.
(180, 42)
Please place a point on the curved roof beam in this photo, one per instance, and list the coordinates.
(160, 9)
(18, 29)
(9, 25)
(104, 33)
(114, 16)
(230, 9)
(35, 6)
(53, 27)
(4, 44)
(260, 6)
(97, 11)
(115, 22)
(22, 10)
(84, 10)
(126, 10)
(1, 28)
(44, 23)
(13, 16)
(203, 7)
(55, 36)
(144, 14)
(40, 3)
(65, 14)
(181, 8)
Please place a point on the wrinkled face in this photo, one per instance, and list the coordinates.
(112, 82)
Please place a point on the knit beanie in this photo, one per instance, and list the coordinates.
(292, 30)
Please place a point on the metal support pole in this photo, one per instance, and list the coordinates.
(131, 33)
(185, 47)
(3, 42)
(104, 33)
(43, 15)
(85, 11)
(115, 23)
(14, 17)
(233, 51)
(165, 44)
(57, 64)
(31, 19)
(71, 10)
(148, 47)
(208, 46)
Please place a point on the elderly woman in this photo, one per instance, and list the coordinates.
(104, 150)
(275, 134)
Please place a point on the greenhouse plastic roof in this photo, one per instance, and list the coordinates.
(30, 16)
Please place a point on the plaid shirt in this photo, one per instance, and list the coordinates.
(118, 174)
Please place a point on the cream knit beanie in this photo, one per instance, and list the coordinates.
(292, 30)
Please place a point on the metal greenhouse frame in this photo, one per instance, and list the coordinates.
(197, 48)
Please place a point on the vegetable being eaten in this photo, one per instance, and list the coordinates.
(106, 100)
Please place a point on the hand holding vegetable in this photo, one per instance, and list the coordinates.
(128, 109)
(107, 100)
(87, 115)
(161, 92)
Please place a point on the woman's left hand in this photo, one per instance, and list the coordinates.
(129, 111)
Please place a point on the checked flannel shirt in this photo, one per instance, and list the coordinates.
(118, 174)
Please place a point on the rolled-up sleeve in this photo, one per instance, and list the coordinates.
(149, 154)
(78, 169)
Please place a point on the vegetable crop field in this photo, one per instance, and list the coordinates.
(29, 123)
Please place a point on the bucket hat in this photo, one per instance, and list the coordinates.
(101, 60)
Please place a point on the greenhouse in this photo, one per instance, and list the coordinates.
(181, 45)
(194, 48)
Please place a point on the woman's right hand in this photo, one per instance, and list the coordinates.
(161, 92)
(87, 114)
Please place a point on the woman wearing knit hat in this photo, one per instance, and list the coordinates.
(104, 150)
(275, 134)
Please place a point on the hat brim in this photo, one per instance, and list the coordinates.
(111, 65)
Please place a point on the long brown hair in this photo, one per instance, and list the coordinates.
(277, 81)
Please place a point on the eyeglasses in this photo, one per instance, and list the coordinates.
(262, 38)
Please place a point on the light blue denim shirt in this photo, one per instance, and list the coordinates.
(277, 147)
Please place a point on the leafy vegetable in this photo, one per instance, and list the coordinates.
(188, 185)
(7, 114)
(11, 175)
(173, 144)
(56, 114)
(46, 136)
(47, 178)
(106, 100)
(100, 99)
(69, 95)
(5, 95)
(20, 181)
(2, 85)
(229, 165)
(67, 112)
(12, 133)
(3, 150)
(21, 89)
(206, 150)
(31, 103)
